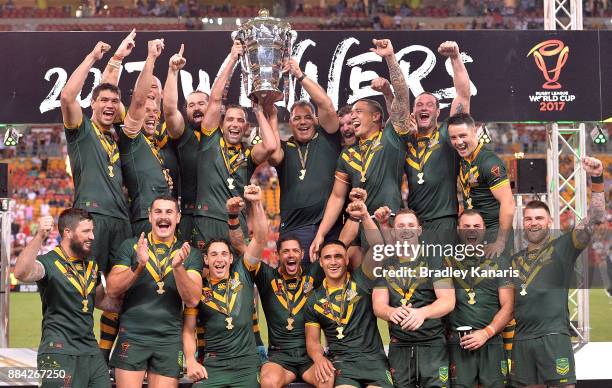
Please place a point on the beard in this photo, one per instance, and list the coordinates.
(78, 247)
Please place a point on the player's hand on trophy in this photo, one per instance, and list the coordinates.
(181, 255)
(357, 210)
(234, 205)
(293, 67)
(358, 194)
(382, 215)
(449, 49)
(474, 340)
(252, 193)
(98, 52)
(45, 224)
(177, 61)
(155, 47)
(324, 369)
(382, 47)
(237, 50)
(196, 371)
(381, 85)
(592, 166)
(142, 250)
(126, 45)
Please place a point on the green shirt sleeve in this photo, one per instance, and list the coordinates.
(125, 254)
(75, 134)
(342, 166)
(194, 261)
(310, 315)
(494, 172)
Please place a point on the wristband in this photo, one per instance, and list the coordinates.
(232, 216)
(597, 183)
(301, 78)
(116, 57)
(114, 64)
(234, 226)
(490, 331)
(354, 219)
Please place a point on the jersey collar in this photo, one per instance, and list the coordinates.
(470, 158)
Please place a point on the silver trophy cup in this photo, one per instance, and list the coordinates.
(267, 45)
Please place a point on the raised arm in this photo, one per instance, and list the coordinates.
(277, 156)
(262, 151)
(175, 123)
(399, 112)
(112, 71)
(136, 112)
(27, 268)
(212, 117)
(257, 244)
(71, 110)
(461, 79)
(597, 208)
(326, 111)
(188, 284)
(234, 206)
(383, 86)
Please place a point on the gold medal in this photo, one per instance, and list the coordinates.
(523, 289)
(85, 305)
(363, 179)
(302, 174)
(160, 286)
(110, 171)
(230, 183)
(290, 321)
(229, 325)
(472, 296)
(404, 302)
(340, 329)
(469, 203)
(421, 180)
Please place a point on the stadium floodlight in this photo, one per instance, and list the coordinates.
(11, 137)
(485, 136)
(598, 135)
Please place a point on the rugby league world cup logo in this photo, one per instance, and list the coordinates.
(550, 48)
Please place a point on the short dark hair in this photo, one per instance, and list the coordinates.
(105, 86)
(470, 212)
(408, 211)
(70, 219)
(429, 94)
(537, 204)
(287, 237)
(345, 110)
(460, 119)
(236, 106)
(376, 107)
(332, 242)
(216, 240)
(165, 197)
(304, 104)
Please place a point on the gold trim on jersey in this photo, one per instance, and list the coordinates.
(418, 160)
(354, 157)
(537, 260)
(83, 282)
(235, 161)
(404, 292)
(284, 294)
(324, 306)
(467, 178)
(110, 147)
(211, 298)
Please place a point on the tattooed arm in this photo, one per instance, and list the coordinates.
(461, 79)
(399, 111)
(234, 206)
(597, 208)
(27, 268)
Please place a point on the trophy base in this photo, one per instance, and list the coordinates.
(260, 94)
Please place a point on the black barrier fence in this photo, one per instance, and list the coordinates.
(515, 75)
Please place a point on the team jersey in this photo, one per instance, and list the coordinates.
(96, 170)
(148, 314)
(416, 290)
(226, 312)
(346, 317)
(480, 173)
(541, 290)
(376, 165)
(168, 153)
(67, 293)
(304, 194)
(187, 151)
(143, 169)
(278, 294)
(432, 167)
(215, 184)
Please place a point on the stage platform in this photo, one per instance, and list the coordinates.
(592, 366)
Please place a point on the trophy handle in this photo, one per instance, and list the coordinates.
(243, 64)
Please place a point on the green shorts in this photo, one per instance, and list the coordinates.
(362, 371)
(239, 372)
(440, 230)
(165, 360)
(141, 226)
(486, 366)
(63, 371)
(185, 228)
(422, 365)
(544, 360)
(295, 361)
(110, 232)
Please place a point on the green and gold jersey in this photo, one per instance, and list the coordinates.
(411, 287)
(96, 171)
(432, 167)
(477, 293)
(376, 165)
(283, 299)
(167, 151)
(143, 169)
(226, 312)
(152, 308)
(541, 289)
(346, 317)
(306, 177)
(187, 151)
(480, 173)
(67, 293)
(222, 173)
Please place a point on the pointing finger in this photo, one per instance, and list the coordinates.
(181, 50)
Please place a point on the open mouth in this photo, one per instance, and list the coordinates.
(150, 124)
(291, 265)
(163, 225)
(234, 132)
(471, 239)
(461, 147)
(108, 114)
(424, 116)
(197, 115)
(334, 269)
(219, 266)
(356, 124)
